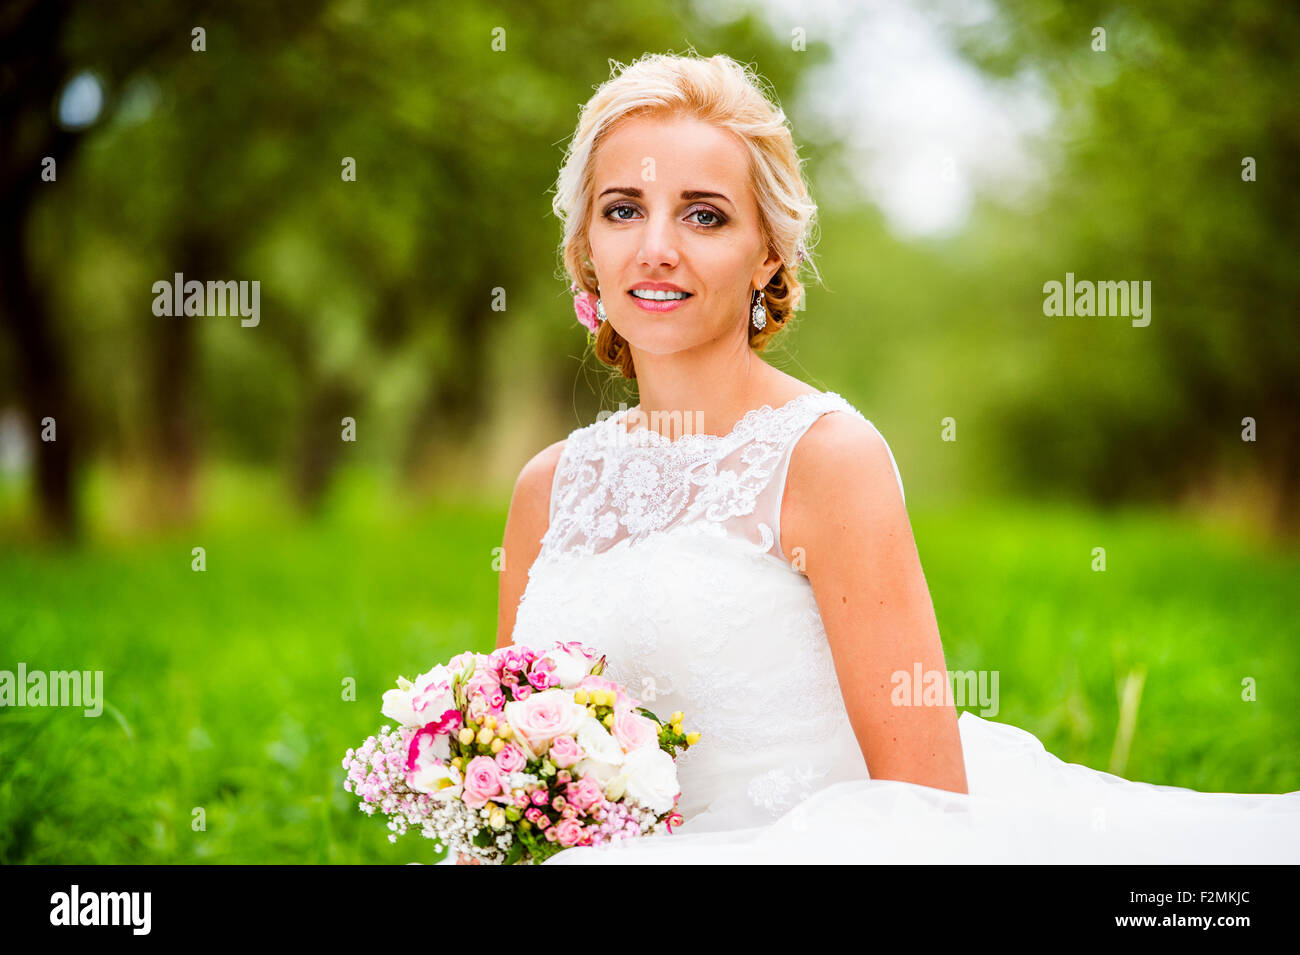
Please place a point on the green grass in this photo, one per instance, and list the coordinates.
(225, 688)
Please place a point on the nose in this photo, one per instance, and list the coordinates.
(658, 243)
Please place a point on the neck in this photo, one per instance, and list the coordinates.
(695, 393)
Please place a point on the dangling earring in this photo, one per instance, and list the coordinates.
(600, 308)
(758, 313)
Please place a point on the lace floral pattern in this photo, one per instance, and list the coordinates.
(611, 483)
(727, 690)
(778, 790)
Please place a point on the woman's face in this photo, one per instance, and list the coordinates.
(672, 204)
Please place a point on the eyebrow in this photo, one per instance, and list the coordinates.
(689, 195)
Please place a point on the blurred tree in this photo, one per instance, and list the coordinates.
(34, 71)
(226, 163)
(1148, 184)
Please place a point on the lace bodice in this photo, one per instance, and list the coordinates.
(612, 484)
(666, 555)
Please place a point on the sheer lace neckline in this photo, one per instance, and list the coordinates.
(747, 421)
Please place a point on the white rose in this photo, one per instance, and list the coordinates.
(603, 773)
(597, 743)
(397, 707)
(650, 777)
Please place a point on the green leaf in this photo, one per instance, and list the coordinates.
(515, 852)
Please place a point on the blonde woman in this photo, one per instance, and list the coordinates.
(738, 543)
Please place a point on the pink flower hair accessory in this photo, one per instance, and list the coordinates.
(588, 308)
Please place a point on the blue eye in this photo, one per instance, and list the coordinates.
(708, 212)
(718, 218)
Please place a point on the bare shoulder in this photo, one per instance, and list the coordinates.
(840, 481)
(536, 476)
(530, 504)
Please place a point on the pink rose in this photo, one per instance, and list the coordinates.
(510, 759)
(541, 675)
(632, 730)
(565, 751)
(482, 781)
(584, 306)
(586, 792)
(544, 716)
(568, 832)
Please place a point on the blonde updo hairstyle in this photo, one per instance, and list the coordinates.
(719, 91)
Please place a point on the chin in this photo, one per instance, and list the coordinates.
(664, 340)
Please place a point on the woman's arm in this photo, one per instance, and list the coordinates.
(530, 516)
(843, 507)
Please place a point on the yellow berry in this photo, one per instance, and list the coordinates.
(609, 719)
(498, 745)
(485, 735)
(466, 736)
(580, 696)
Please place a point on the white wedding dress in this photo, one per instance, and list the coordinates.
(665, 554)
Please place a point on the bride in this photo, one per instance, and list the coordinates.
(738, 543)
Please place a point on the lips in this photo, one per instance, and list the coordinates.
(684, 295)
(660, 305)
(657, 287)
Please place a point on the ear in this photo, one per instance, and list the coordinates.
(768, 268)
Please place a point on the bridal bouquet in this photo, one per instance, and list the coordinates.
(512, 756)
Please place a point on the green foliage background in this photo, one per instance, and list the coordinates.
(330, 561)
